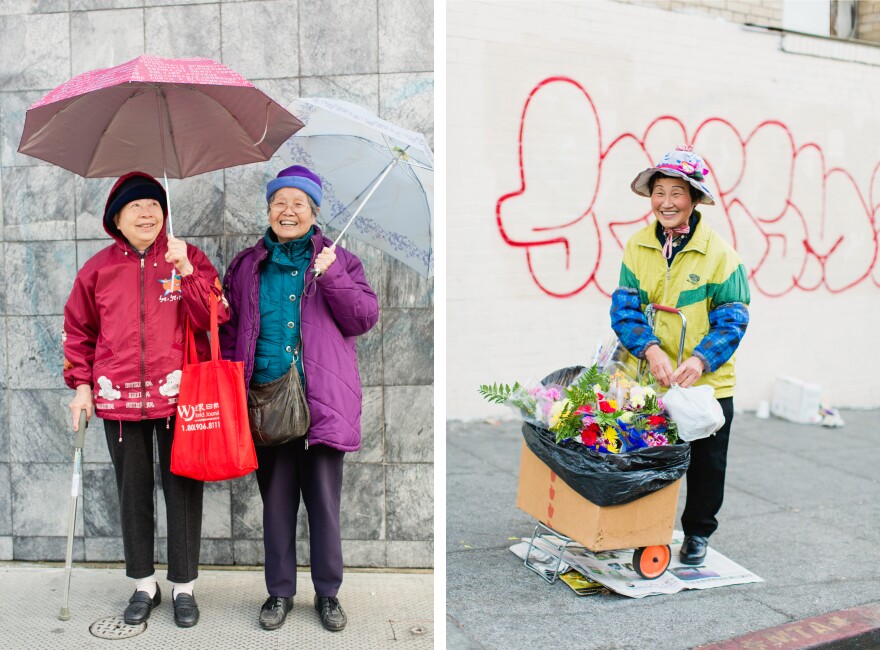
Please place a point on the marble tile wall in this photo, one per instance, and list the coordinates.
(377, 54)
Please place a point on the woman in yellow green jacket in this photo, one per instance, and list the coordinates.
(679, 261)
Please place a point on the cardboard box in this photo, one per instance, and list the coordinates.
(795, 400)
(647, 521)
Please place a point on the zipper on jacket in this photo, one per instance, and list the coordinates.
(302, 343)
(143, 327)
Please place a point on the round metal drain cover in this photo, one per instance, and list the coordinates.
(115, 627)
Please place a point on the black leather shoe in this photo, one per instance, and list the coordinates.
(693, 550)
(186, 612)
(332, 616)
(140, 605)
(274, 612)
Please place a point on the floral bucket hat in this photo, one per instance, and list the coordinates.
(681, 163)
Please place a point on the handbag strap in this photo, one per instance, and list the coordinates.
(189, 352)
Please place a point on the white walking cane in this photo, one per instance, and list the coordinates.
(79, 441)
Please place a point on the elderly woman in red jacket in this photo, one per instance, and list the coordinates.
(286, 318)
(123, 354)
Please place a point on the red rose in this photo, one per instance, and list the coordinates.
(606, 407)
(656, 420)
(586, 409)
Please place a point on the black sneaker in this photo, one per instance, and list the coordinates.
(274, 612)
(332, 616)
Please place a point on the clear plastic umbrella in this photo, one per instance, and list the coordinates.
(378, 178)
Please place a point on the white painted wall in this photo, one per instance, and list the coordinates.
(793, 146)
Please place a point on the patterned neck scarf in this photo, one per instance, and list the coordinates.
(670, 233)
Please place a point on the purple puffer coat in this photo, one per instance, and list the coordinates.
(341, 307)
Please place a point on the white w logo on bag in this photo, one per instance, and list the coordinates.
(186, 412)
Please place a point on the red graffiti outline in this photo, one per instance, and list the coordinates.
(547, 236)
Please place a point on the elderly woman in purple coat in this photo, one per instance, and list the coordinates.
(295, 299)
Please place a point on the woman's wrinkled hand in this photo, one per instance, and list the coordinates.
(81, 401)
(325, 259)
(660, 366)
(688, 372)
(177, 255)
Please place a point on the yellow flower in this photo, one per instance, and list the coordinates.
(613, 440)
(613, 403)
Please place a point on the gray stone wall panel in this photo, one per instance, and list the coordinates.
(91, 198)
(408, 347)
(34, 50)
(409, 424)
(41, 500)
(13, 106)
(363, 499)
(40, 429)
(183, 31)
(5, 500)
(406, 35)
(403, 287)
(41, 275)
(34, 351)
(103, 549)
(31, 206)
(100, 502)
(338, 37)
(361, 553)
(410, 502)
(411, 554)
(103, 39)
(37, 548)
(260, 38)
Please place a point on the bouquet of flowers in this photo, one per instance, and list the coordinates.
(603, 409)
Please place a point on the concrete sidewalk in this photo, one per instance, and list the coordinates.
(801, 511)
(383, 609)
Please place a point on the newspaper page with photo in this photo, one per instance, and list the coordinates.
(614, 569)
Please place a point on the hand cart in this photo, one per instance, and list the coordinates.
(650, 560)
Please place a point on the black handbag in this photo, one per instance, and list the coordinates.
(278, 411)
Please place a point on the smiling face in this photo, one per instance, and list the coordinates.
(671, 201)
(140, 222)
(290, 214)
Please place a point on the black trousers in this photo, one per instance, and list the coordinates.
(133, 462)
(284, 473)
(705, 478)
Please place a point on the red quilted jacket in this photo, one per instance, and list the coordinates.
(124, 327)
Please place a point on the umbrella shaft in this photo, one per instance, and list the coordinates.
(378, 182)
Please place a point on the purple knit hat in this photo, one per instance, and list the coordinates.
(302, 178)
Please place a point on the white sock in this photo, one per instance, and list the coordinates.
(147, 584)
(178, 588)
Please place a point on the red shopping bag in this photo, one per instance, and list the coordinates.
(212, 437)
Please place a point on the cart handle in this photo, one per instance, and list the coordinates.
(649, 314)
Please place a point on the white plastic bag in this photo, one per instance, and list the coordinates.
(695, 410)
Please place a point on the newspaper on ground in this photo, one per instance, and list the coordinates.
(614, 569)
(582, 586)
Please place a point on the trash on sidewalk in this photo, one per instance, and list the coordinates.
(614, 570)
(795, 400)
(798, 401)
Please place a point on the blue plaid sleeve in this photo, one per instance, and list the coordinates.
(727, 326)
(629, 322)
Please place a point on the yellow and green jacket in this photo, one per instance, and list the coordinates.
(706, 281)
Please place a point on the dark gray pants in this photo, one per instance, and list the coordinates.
(283, 474)
(133, 462)
(705, 478)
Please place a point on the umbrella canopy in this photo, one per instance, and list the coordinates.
(377, 177)
(167, 117)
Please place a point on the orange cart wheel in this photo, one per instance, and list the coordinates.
(651, 561)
